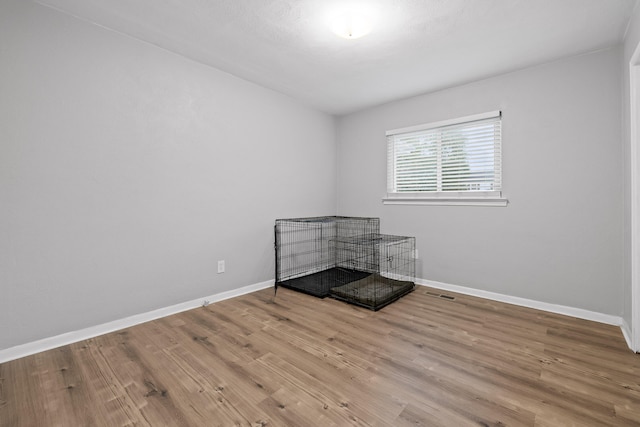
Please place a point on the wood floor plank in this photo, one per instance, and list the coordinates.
(22, 401)
(291, 359)
(112, 405)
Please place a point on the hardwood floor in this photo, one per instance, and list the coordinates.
(299, 361)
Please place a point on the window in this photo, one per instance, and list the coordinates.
(452, 162)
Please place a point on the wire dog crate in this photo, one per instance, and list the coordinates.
(305, 250)
(344, 257)
(389, 264)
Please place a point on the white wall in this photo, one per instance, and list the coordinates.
(127, 171)
(560, 240)
(632, 38)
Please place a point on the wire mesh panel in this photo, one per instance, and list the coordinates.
(389, 264)
(305, 250)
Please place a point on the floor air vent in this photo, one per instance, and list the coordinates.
(437, 295)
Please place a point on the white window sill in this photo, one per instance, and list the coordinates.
(442, 201)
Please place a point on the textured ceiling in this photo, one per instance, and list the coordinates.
(416, 46)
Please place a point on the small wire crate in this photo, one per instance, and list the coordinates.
(387, 261)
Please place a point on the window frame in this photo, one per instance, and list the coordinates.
(466, 198)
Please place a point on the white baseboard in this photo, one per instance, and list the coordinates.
(28, 349)
(538, 305)
(38, 346)
(626, 331)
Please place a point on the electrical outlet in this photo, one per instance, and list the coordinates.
(220, 266)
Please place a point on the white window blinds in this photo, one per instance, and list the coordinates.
(455, 158)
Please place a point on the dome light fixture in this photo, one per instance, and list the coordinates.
(351, 22)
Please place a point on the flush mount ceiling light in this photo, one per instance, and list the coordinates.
(351, 21)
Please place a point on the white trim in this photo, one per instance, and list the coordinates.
(463, 201)
(442, 123)
(626, 333)
(34, 347)
(44, 344)
(634, 138)
(524, 302)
